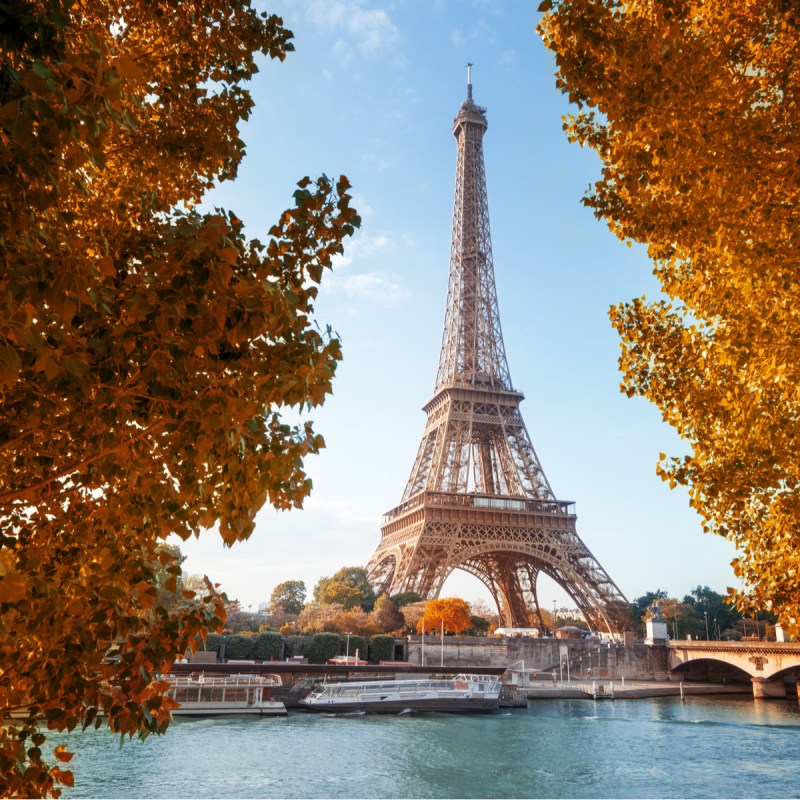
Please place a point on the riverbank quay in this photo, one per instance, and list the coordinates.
(627, 690)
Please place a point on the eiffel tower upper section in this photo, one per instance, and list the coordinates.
(472, 344)
(492, 453)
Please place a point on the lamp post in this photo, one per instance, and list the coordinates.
(705, 614)
(347, 650)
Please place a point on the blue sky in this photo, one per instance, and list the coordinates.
(371, 92)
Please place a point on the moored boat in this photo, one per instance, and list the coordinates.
(459, 693)
(206, 695)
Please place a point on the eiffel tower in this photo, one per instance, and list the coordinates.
(477, 498)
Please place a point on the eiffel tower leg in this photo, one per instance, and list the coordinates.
(515, 601)
(499, 573)
(527, 575)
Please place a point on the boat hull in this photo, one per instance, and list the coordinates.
(455, 705)
(271, 709)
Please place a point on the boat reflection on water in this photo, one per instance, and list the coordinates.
(206, 695)
(459, 693)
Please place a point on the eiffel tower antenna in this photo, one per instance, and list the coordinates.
(477, 498)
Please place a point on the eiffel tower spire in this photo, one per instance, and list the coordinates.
(477, 498)
(472, 345)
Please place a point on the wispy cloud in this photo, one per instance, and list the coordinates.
(378, 286)
(457, 37)
(508, 58)
(368, 32)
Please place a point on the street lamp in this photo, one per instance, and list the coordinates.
(347, 650)
(705, 614)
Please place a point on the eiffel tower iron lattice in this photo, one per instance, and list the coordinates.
(477, 498)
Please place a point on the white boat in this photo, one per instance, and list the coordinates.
(460, 693)
(205, 695)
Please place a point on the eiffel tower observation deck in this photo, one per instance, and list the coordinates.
(477, 498)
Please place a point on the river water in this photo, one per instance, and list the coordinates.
(704, 747)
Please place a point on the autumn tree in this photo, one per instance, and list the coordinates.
(452, 612)
(146, 350)
(239, 620)
(404, 598)
(317, 618)
(386, 615)
(694, 109)
(355, 621)
(288, 597)
(412, 614)
(348, 587)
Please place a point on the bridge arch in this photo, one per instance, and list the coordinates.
(762, 661)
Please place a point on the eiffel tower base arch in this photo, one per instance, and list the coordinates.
(506, 550)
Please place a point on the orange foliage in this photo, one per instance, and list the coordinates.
(693, 109)
(145, 350)
(452, 611)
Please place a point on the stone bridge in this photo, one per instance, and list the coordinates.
(769, 665)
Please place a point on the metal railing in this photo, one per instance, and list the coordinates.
(557, 507)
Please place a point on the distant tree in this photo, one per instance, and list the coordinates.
(479, 626)
(387, 616)
(288, 597)
(716, 607)
(681, 617)
(404, 598)
(480, 608)
(355, 620)
(348, 587)
(317, 618)
(453, 612)
(412, 614)
(238, 620)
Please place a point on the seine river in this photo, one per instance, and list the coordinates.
(705, 747)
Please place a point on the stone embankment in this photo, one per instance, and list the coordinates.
(629, 690)
(570, 659)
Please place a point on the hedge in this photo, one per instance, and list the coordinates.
(381, 648)
(269, 645)
(213, 641)
(322, 647)
(297, 646)
(240, 646)
(356, 643)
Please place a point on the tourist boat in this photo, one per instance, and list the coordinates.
(461, 693)
(205, 695)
